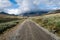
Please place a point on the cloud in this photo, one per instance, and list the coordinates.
(48, 3)
(26, 5)
(12, 11)
(29, 5)
(4, 3)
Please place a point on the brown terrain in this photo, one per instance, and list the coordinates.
(26, 31)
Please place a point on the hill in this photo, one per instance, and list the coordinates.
(41, 12)
(50, 22)
(34, 13)
(6, 14)
(54, 11)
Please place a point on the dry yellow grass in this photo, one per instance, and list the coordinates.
(50, 22)
(7, 21)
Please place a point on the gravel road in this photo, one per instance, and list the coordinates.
(26, 31)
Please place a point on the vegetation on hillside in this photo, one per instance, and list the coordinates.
(7, 22)
(7, 25)
(51, 22)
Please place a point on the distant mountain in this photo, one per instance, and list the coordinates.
(4, 13)
(54, 11)
(34, 13)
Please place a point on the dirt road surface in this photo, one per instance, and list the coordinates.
(26, 31)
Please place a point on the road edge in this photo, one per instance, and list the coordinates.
(52, 35)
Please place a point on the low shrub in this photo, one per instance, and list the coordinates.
(51, 22)
(7, 25)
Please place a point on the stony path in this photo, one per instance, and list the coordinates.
(26, 31)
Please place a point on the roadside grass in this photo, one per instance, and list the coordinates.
(8, 22)
(50, 22)
(2, 20)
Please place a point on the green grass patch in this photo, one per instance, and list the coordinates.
(7, 23)
(2, 20)
(51, 22)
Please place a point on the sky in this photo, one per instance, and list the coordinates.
(21, 6)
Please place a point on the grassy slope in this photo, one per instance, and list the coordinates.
(50, 22)
(7, 22)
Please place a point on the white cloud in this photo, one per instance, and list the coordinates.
(13, 11)
(4, 3)
(31, 4)
(47, 2)
(27, 5)
(24, 5)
